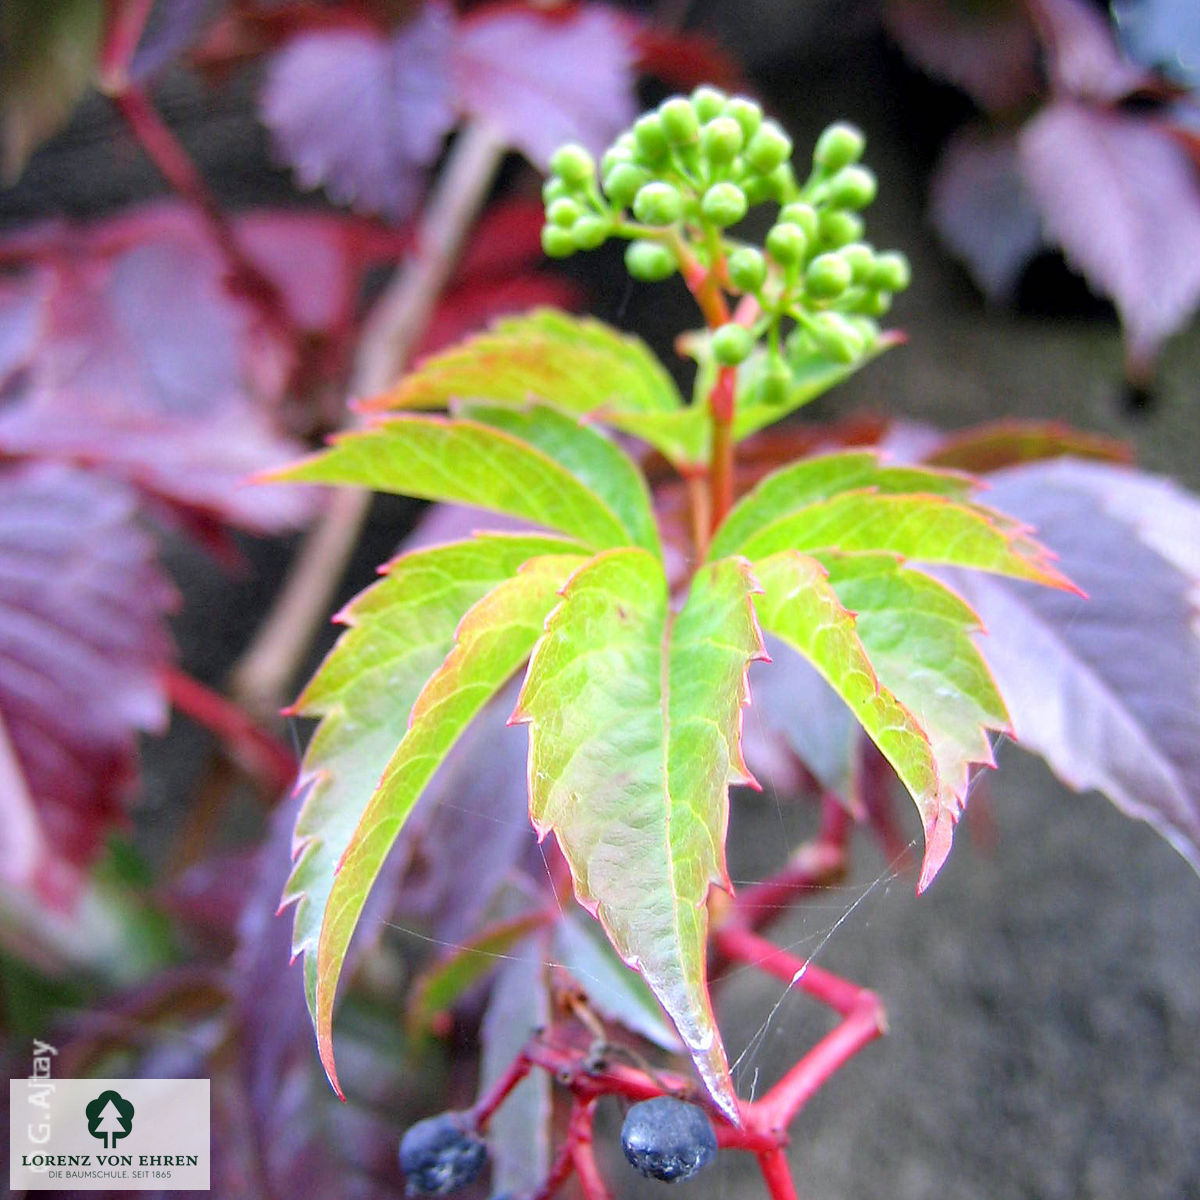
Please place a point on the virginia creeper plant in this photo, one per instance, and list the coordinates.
(151, 358)
(634, 661)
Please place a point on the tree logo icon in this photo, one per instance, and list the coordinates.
(109, 1118)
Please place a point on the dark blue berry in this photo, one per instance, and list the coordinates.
(441, 1154)
(668, 1139)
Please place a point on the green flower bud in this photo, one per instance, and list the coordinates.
(563, 212)
(783, 183)
(622, 183)
(768, 148)
(724, 204)
(649, 262)
(678, 121)
(875, 304)
(803, 215)
(757, 189)
(707, 102)
(746, 113)
(614, 157)
(852, 187)
(650, 139)
(836, 336)
(861, 258)
(786, 244)
(557, 242)
(658, 204)
(721, 139)
(839, 146)
(732, 344)
(892, 272)
(773, 384)
(590, 232)
(574, 164)
(747, 269)
(836, 228)
(554, 189)
(828, 275)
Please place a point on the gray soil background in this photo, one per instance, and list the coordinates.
(1044, 996)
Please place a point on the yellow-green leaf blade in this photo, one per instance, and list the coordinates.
(492, 640)
(821, 477)
(635, 731)
(465, 462)
(573, 363)
(923, 528)
(917, 634)
(590, 455)
(399, 631)
(800, 607)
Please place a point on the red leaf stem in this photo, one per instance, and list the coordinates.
(579, 1138)
(126, 19)
(777, 1174)
(560, 1171)
(742, 946)
(823, 1061)
(863, 1011)
(517, 1070)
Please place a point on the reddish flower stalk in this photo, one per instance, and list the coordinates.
(720, 407)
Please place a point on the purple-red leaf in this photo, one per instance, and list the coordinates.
(1122, 198)
(363, 114)
(540, 76)
(82, 643)
(988, 49)
(1163, 34)
(122, 347)
(1106, 689)
(547, 76)
(983, 212)
(1084, 60)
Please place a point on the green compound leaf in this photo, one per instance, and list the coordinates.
(800, 607)
(635, 735)
(465, 462)
(575, 364)
(917, 635)
(683, 437)
(794, 487)
(590, 455)
(924, 528)
(401, 631)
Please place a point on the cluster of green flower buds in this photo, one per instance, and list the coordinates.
(677, 183)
